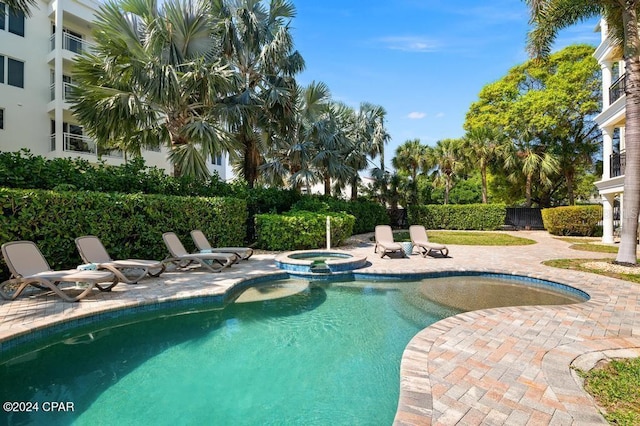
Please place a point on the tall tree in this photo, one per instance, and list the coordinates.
(448, 157)
(528, 155)
(257, 44)
(288, 160)
(482, 145)
(549, 104)
(548, 17)
(412, 157)
(153, 78)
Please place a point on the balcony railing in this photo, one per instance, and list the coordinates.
(70, 42)
(618, 162)
(84, 144)
(65, 91)
(617, 88)
(79, 143)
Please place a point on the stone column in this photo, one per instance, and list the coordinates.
(607, 150)
(607, 71)
(607, 218)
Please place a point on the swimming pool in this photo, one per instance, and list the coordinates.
(329, 353)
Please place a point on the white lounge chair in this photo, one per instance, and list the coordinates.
(202, 244)
(29, 267)
(420, 240)
(92, 250)
(385, 243)
(183, 259)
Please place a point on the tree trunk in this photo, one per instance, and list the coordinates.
(483, 175)
(629, 232)
(354, 189)
(569, 181)
(446, 191)
(327, 184)
(527, 190)
(251, 160)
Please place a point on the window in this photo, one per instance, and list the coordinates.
(15, 18)
(15, 73)
(1, 69)
(217, 160)
(16, 23)
(2, 16)
(1, 118)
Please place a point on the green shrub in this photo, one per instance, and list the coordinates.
(129, 225)
(458, 216)
(572, 220)
(368, 214)
(299, 230)
(24, 170)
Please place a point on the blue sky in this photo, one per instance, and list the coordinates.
(424, 61)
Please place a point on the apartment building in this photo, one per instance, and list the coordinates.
(36, 71)
(612, 123)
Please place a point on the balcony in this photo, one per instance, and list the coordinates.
(70, 42)
(617, 162)
(82, 144)
(617, 89)
(65, 91)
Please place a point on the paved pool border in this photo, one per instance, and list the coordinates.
(496, 366)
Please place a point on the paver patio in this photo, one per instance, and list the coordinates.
(496, 366)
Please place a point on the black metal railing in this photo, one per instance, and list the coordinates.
(617, 88)
(617, 162)
(524, 218)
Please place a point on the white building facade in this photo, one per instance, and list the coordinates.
(612, 122)
(36, 63)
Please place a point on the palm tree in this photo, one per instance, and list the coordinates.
(366, 137)
(410, 158)
(373, 117)
(530, 158)
(483, 144)
(288, 161)
(448, 157)
(154, 79)
(548, 18)
(332, 138)
(257, 45)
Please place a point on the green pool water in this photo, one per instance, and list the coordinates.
(326, 356)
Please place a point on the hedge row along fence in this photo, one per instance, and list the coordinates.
(572, 220)
(129, 225)
(300, 230)
(458, 216)
(368, 214)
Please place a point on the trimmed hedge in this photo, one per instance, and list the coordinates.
(129, 225)
(300, 230)
(458, 216)
(572, 220)
(368, 214)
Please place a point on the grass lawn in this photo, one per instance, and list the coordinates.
(576, 264)
(465, 238)
(616, 388)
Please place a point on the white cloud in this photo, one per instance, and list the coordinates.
(416, 115)
(409, 43)
(440, 115)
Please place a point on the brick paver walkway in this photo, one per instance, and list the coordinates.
(496, 366)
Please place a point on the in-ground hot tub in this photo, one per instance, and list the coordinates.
(319, 261)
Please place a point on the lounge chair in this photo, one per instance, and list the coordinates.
(421, 241)
(202, 244)
(182, 258)
(92, 251)
(385, 243)
(29, 267)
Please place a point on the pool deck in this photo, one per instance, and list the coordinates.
(496, 366)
